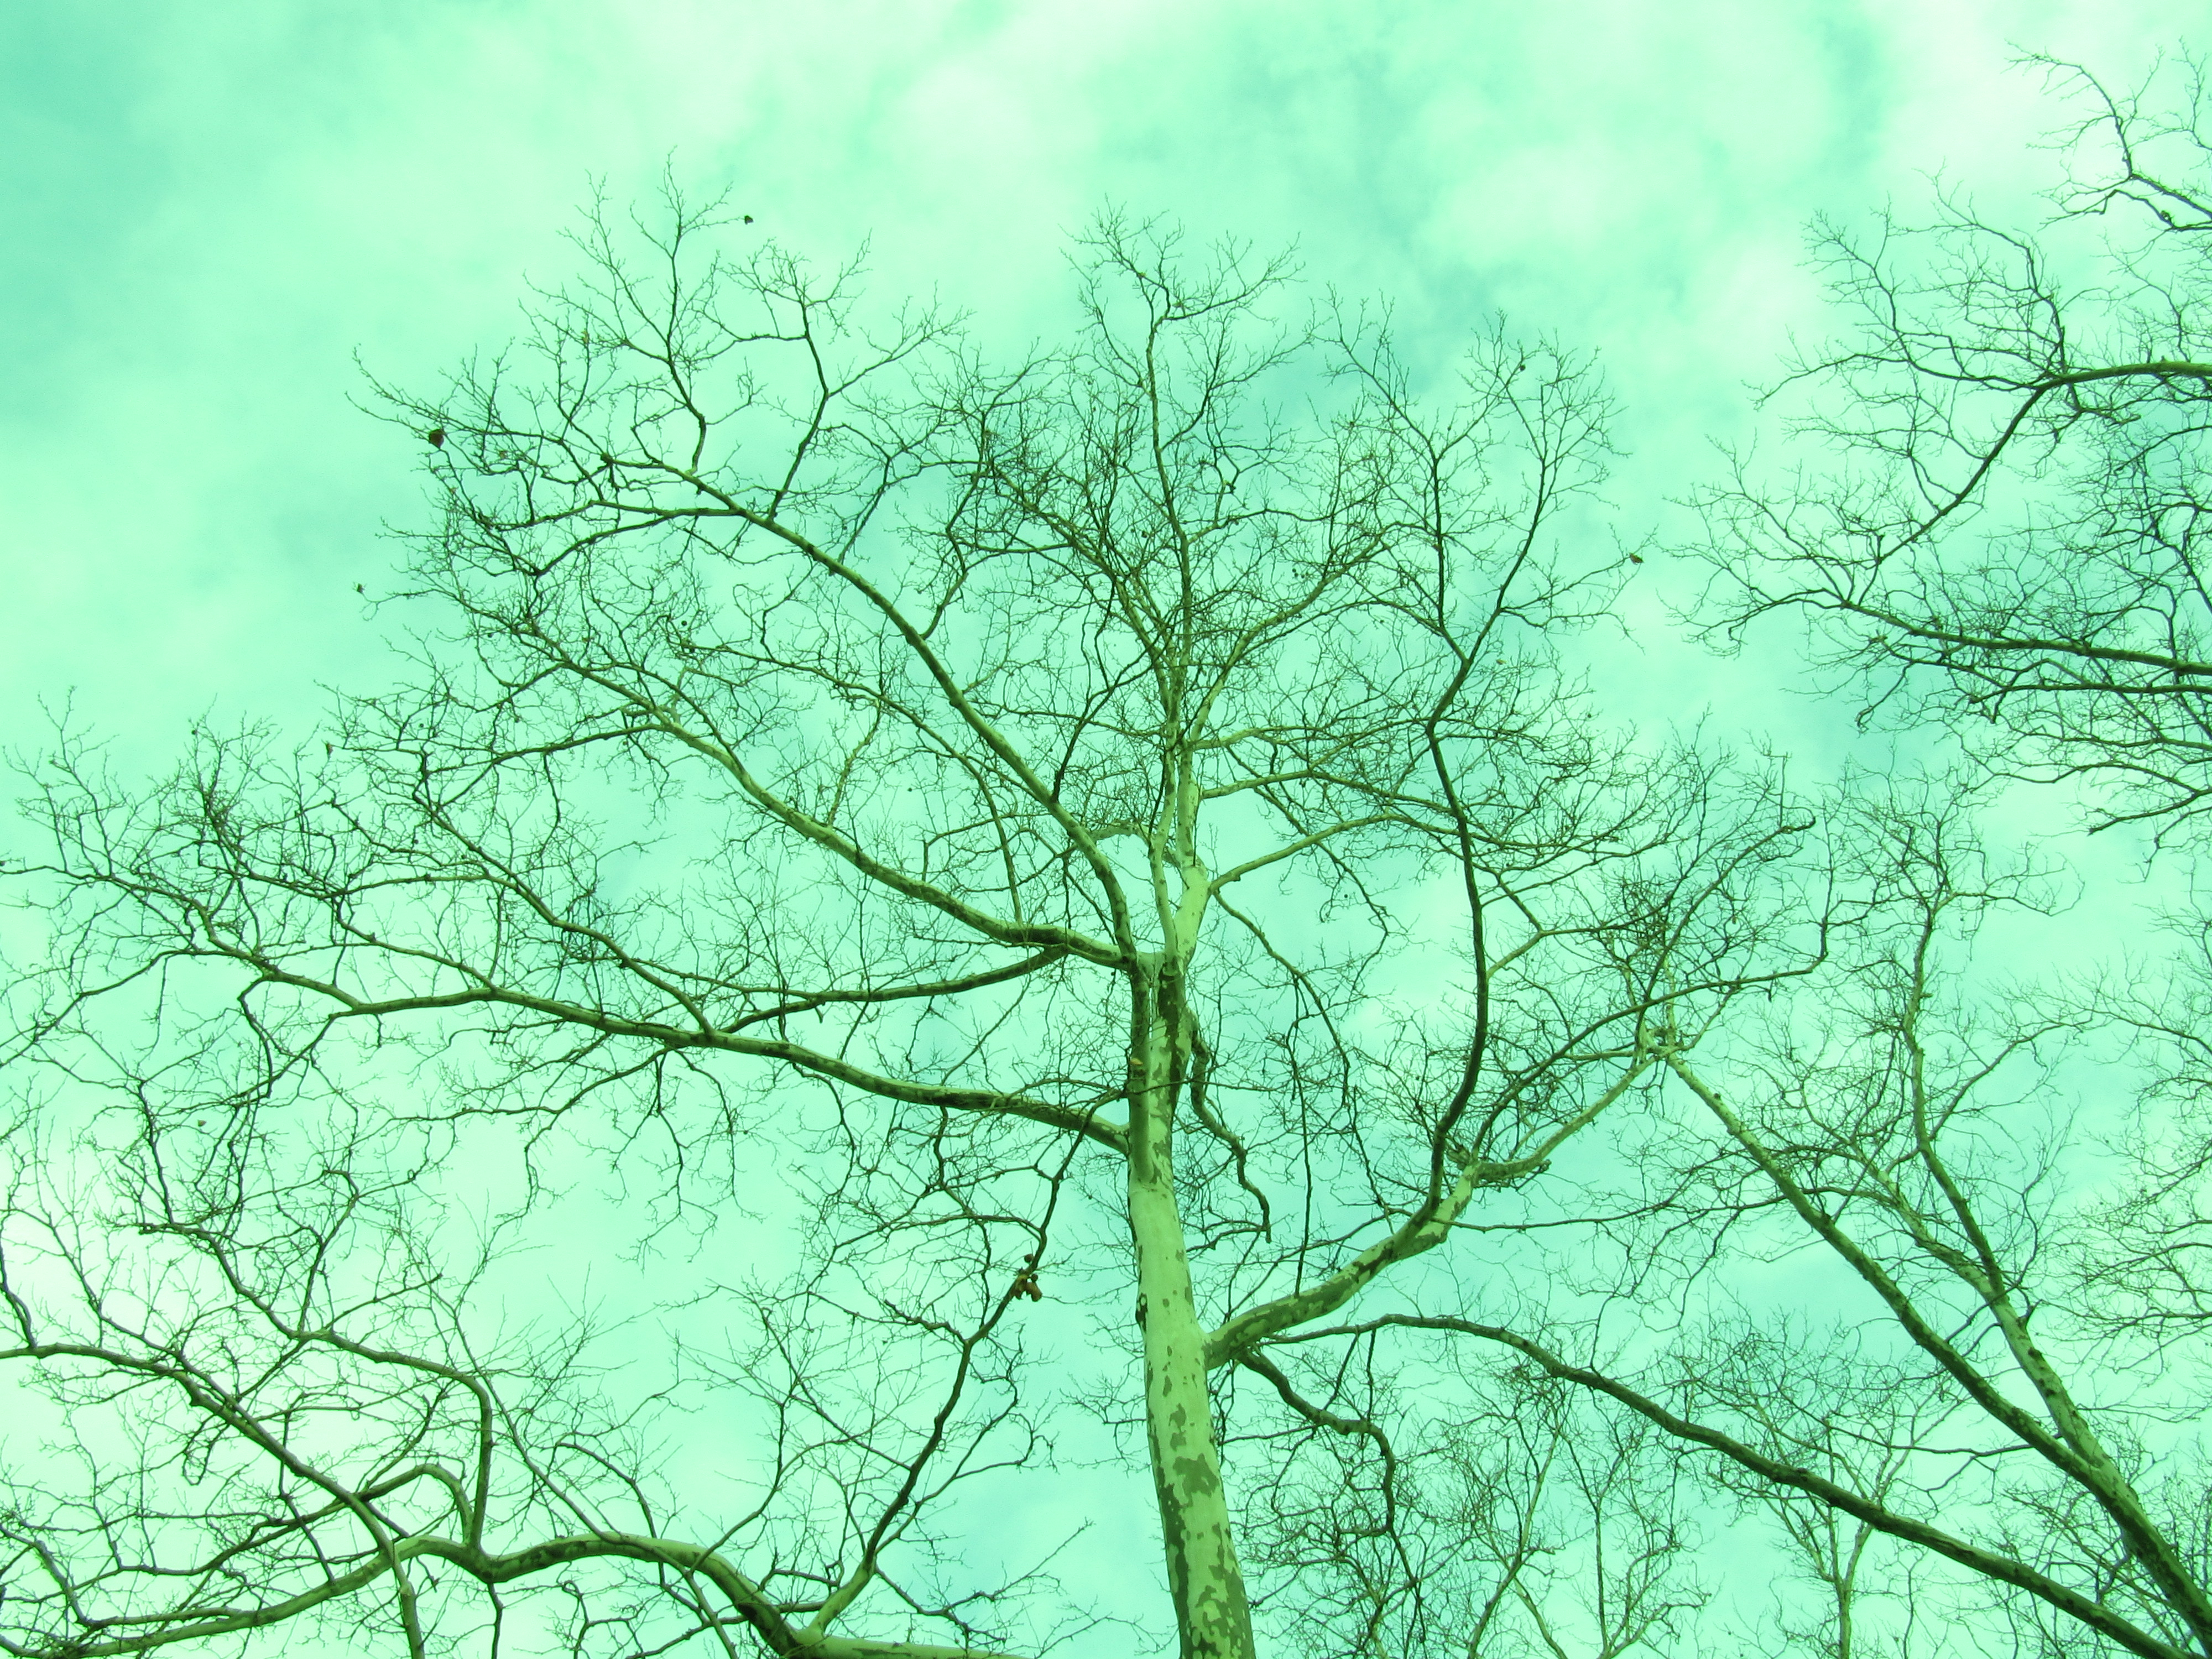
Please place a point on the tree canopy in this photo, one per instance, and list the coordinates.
(980, 921)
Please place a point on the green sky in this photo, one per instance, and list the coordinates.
(209, 208)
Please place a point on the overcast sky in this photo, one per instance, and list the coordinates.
(209, 209)
(206, 210)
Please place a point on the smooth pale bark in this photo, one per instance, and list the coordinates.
(1204, 1579)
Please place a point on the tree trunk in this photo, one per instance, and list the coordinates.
(1203, 1577)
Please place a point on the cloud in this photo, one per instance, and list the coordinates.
(209, 209)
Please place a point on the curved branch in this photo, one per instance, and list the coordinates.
(2003, 1568)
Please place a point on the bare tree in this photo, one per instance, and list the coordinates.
(1991, 516)
(1920, 1140)
(1519, 1518)
(1809, 1395)
(945, 842)
(1986, 520)
(1906, 1138)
